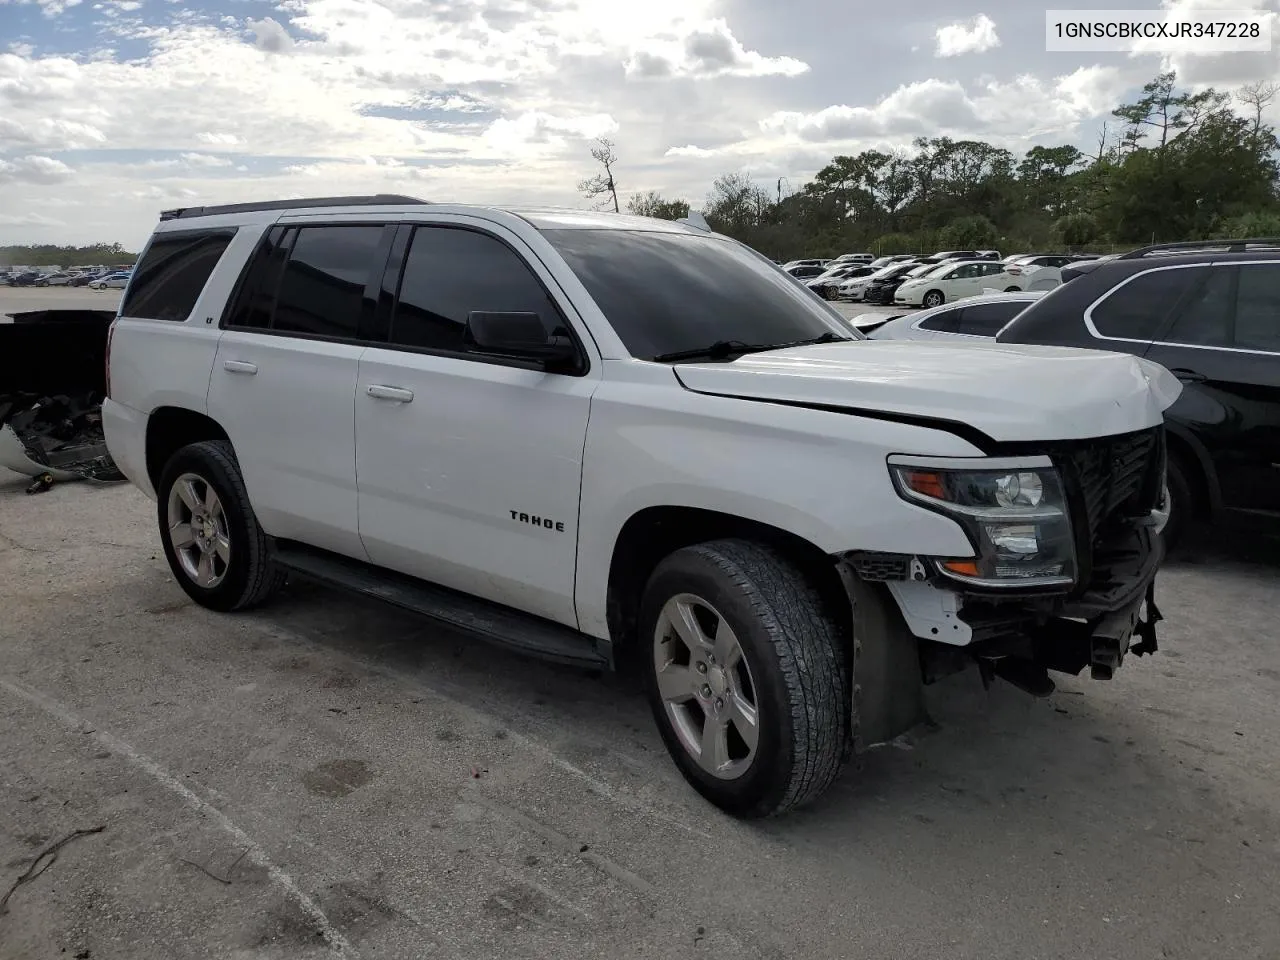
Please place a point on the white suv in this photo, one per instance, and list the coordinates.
(606, 439)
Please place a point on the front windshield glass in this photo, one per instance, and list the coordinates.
(922, 270)
(669, 292)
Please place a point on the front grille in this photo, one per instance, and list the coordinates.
(1110, 480)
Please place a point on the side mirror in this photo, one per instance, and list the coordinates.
(519, 335)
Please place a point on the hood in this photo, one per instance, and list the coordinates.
(1009, 392)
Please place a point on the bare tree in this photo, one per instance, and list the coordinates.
(602, 184)
(1258, 95)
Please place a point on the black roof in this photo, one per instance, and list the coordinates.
(373, 200)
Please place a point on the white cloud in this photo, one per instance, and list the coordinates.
(689, 151)
(973, 36)
(34, 169)
(50, 8)
(29, 220)
(270, 35)
(707, 50)
(1021, 109)
(535, 128)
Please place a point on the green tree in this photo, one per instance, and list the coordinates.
(969, 233)
(651, 204)
(1077, 230)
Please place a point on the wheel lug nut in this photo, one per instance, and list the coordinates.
(702, 667)
(706, 690)
(719, 703)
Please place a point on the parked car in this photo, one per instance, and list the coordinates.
(806, 271)
(881, 262)
(881, 289)
(950, 281)
(83, 279)
(654, 448)
(966, 255)
(855, 288)
(1210, 313)
(853, 257)
(980, 317)
(827, 285)
(813, 262)
(54, 280)
(28, 279)
(867, 322)
(112, 281)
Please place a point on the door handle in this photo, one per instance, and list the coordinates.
(399, 394)
(1188, 376)
(240, 366)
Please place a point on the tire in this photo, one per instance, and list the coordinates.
(237, 577)
(1012, 289)
(1181, 506)
(934, 298)
(790, 671)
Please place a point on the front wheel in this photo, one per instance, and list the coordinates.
(745, 676)
(216, 549)
(1012, 289)
(934, 298)
(1179, 505)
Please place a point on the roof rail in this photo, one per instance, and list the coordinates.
(379, 199)
(1233, 246)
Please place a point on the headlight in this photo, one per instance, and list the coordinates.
(1016, 519)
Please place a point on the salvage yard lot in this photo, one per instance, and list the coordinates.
(329, 777)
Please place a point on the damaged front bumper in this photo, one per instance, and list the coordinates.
(1020, 637)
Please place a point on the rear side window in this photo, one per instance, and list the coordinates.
(1258, 308)
(1205, 317)
(449, 273)
(168, 280)
(257, 296)
(1137, 310)
(987, 319)
(322, 289)
(944, 322)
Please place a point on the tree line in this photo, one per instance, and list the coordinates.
(52, 255)
(1172, 165)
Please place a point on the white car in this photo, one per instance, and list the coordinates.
(598, 438)
(980, 317)
(112, 281)
(856, 287)
(950, 281)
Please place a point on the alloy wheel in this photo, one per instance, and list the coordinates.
(706, 687)
(198, 530)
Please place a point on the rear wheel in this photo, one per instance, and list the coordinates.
(1012, 289)
(212, 540)
(745, 676)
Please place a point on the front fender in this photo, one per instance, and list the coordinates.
(822, 476)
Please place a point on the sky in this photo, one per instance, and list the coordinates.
(112, 110)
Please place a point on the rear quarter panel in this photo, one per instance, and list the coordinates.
(156, 363)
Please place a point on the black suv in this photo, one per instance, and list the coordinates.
(1209, 312)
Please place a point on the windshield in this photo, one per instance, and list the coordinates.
(923, 270)
(669, 292)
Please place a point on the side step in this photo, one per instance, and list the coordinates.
(491, 621)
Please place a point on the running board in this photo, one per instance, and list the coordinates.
(510, 628)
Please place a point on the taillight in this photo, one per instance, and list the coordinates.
(111, 332)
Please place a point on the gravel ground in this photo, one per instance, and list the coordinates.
(328, 777)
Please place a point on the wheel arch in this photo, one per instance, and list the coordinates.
(169, 429)
(1190, 452)
(655, 532)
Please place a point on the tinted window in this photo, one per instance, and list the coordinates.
(1138, 309)
(986, 319)
(991, 269)
(945, 321)
(666, 292)
(322, 290)
(450, 272)
(257, 292)
(1258, 308)
(1205, 318)
(171, 274)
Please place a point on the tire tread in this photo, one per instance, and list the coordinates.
(806, 641)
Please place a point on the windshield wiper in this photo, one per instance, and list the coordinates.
(724, 349)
